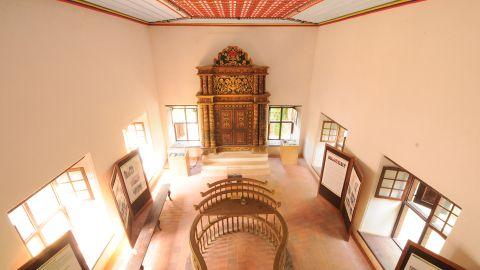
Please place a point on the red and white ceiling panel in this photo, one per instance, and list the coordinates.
(280, 12)
(239, 8)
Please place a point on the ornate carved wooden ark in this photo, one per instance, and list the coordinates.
(233, 103)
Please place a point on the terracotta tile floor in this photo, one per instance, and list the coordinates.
(315, 227)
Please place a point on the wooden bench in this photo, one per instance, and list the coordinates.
(146, 228)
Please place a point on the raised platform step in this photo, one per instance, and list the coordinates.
(228, 157)
(245, 163)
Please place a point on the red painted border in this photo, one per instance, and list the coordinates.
(373, 11)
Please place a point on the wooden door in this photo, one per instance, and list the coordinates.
(233, 124)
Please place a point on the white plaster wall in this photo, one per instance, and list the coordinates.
(288, 51)
(405, 83)
(70, 80)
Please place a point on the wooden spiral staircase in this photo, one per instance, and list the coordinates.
(238, 205)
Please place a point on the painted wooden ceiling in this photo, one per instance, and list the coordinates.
(267, 12)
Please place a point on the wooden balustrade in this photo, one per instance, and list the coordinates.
(236, 180)
(233, 206)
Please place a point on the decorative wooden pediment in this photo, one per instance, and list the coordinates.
(232, 56)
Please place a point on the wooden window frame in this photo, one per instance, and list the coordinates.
(281, 121)
(186, 123)
(71, 182)
(329, 132)
(141, 131)
(39, 226)
(404, 191)
(427, 220)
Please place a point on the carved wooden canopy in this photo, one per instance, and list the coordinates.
(233, 103)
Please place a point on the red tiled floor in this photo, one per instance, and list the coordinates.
(315, 227)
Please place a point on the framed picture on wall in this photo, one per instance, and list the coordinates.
(121, 201)
(336, 169)
(133, 177)
(62, 254)
(349, 201)
(416, 257)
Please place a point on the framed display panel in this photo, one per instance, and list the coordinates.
(121, 201)
(336, 170)
(134, 181)
(416, 257)
(349, 201)
(62, 254)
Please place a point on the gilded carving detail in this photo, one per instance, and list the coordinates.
(240, 84)
(232, 56)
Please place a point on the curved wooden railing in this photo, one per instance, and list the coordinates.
(236, 180)
(218, 197)
(208, 226)
(238, 187)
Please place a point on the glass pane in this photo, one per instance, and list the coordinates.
(43, 204)
(400, 185)
(402, 176)
(193, 132)
(447, 230)
(390, 174)
(441, 213)
(326, 131)
(84, 195)
(178, 115)
(457, 211)
(384, 192)
(434, 242)
(275, 114)
(66, 193)
(332, 138)
(274, 131)
(437, 223)
(20, 220)
(75, 175)
(55, 228)
(80, 185)
(411, 227)
(35, 245)
(334, 132)
(397, 194)
(289, 114)
(452, 220)
(192, 115)
(327, 125)
(324, 138)
(286, 131)
(63, 178)
(446, 203)
(180, 132)
(387, 183)
(334, 126)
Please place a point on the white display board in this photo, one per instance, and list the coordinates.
(416, 262)
(334, 173)
(134, 178)
(121, 199)
(64, 259)
(352, 194)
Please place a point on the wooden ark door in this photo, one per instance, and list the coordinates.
(234, 124)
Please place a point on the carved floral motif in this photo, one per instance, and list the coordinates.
(241, 84)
